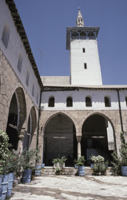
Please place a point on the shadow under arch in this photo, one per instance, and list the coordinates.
(16, 116)
(31, 126)
(59, 139)
(98, 136)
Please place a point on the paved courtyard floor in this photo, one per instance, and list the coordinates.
(72, 188)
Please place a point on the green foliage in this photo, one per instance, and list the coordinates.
(56, 160)
(80, 161)
(121, 160)
(4, 145)
(99, 166)
(29, 158)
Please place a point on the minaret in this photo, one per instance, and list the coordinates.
(84, 57)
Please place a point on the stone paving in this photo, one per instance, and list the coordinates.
(72, 188)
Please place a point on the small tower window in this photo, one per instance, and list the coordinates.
(69, 102)
(126, 100)
(88, 102)
(107, 102)
(83, 50)
(5, 35)
(51, 102)
(85, 65)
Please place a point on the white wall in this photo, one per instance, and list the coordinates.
(15, 47)
(79, 75)
(79, 99)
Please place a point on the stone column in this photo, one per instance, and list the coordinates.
(78, 146)
(20, 142)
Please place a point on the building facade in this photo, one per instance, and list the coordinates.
(66, 116)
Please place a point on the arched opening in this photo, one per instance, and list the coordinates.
(12, 125)
(51, 102)
(107, 102)
(74, 35)
(16, 116)
(82, 35)
(88, 102)
(6, 34)
(31, 126)
(69, 102)
(60, 140)
(97, 137)
(91, 35)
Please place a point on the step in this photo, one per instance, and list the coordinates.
(71, 171)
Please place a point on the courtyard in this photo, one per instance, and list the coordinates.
(72, 188)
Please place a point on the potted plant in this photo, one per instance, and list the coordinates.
(81, 168)
(56, 162)
(120, 162)
(99, 166)
(123, 154)
(28, 163)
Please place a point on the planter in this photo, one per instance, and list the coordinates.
(56, 165)
(26, 176)
(10, 184)
(124, 170)
(4, 185)
(38, 170)
(43, 165)
(91, 165)
(81, 170)
(1, 176)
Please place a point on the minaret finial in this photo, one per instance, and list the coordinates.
(79, 21)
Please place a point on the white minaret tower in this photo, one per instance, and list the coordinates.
(84, 57)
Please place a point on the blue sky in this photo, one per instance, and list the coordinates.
(45, 22)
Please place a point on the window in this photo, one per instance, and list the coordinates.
(88, 102)
(51, 102)
(69, 102)
(27, 77)
(85, 65)
(37, 98)
(107, 102)
(20, 60)
(33, 90)
(126, 100)
(5, 35)
(83, 50)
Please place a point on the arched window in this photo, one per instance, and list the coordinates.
(20, 60)
(6, 34)
(33, 90)
(126, 100)
(51, 102)
(27, 77)
(107, 102)
(69, 102)
(88, 102)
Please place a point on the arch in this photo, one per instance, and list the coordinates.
(91, 34)
(88, 101)
(107, 101)
(51, 102)
(6, 34)
(20, 60)
(59, 138)
(12, 123)
(98, 136)
(22, 107)
(27, 77)
(69, 102)
(31, 126)
(74, 34)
